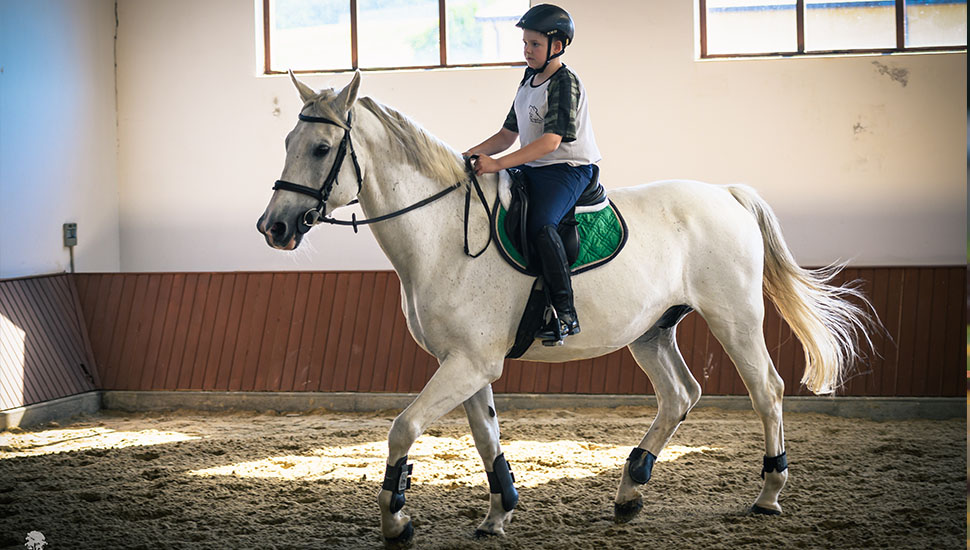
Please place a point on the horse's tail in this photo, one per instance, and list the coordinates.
(829, 326)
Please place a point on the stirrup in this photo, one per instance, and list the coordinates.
(557, 328)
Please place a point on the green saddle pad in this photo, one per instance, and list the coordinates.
(602, 234)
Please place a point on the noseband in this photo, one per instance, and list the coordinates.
(314, 215)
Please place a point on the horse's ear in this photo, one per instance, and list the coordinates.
(348, 95)
(306, 93)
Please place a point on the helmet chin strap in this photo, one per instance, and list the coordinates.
(549, 55)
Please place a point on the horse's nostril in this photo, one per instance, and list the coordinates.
(278, 229)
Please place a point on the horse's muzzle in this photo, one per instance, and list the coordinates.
(278, 234)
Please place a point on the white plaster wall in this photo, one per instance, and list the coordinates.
(858, 165)
(57, 135)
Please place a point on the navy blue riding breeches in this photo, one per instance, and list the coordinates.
(553, 191)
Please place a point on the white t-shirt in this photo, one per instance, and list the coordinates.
(557, 106)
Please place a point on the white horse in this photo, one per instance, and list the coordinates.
(713, 248)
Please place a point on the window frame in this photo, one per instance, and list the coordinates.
(355, 65)
(900, 12)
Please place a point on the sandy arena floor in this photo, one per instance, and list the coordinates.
(245, 480)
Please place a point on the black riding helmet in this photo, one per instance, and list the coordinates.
(551, 21)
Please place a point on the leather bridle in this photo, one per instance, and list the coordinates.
(317, 215)
(314, 215)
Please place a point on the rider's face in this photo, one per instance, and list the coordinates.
(535, 46)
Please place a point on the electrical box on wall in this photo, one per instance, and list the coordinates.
(70, 234)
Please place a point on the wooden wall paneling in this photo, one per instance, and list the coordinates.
(119, 332)
(180, 336)
(614, 364)
(570, 375)
(58, 305)
(398, 375)
(955, 356)
(71, 311)
(193, 335)
(875, 361)
(150, 366)
(358, 338)
(14, 348)
(82, 331)
(370, 340)
(383, 359)
(63, 361)
(924, 304)
(309, 336)
(50, 353)
(555, 377)
(163, 363)
(893, 323)
(585, 377)
(344, 342)
(104, 328)
(143, 314)
(37, 381)
(209, 307)
(628, 372)
(12, 392)
(287, 350)
(530, 376)
(276, 331)
(334, 326)
(259, 292)
(227, 357)
(220, 332)
(909, 354)
(130, 330)
(40, 378)
(937, 330)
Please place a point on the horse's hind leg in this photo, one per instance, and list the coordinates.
(677, 391)
(480, 409)
(739, 330)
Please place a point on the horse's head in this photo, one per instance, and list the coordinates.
(315, 178)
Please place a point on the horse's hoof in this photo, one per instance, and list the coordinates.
(482, 534)
(401, 541)
(755, 509)
(623, 513)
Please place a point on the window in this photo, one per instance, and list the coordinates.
(341, 35)
(739, 28)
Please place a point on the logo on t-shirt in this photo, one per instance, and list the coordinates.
(534, 114)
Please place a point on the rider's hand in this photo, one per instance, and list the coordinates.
(485, 164)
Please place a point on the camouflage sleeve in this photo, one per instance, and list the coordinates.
(563, 102)
(511, 123)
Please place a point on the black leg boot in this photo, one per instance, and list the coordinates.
(555, 272)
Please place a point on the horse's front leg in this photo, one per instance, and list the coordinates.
(480, 409)
(456, 380)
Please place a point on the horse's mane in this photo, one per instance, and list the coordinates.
(421, 150)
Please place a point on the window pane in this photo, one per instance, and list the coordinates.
(309, 34)
(849, 24)
(936, 23)
(751, 26)
(484, 31)
(397, 33)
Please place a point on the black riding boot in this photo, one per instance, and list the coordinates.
(555, 272)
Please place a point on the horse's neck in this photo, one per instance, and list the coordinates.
(424, 242)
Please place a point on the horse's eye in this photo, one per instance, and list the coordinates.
(321, 150)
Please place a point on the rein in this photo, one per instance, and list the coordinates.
(316, 215)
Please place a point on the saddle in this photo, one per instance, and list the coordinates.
(599, 223)
(518, 210)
